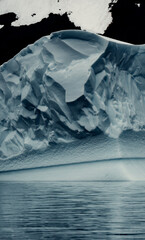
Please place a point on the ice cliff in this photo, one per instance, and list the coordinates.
(67, 86)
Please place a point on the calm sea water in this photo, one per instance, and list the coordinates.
(59, 211)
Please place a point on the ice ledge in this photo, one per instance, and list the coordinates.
(111, 170)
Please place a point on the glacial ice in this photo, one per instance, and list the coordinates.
(72, 97)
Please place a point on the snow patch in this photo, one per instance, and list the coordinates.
(79, 13)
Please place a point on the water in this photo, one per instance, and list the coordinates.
(76, 210)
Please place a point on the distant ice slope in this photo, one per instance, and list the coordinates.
(63, 94)
(91, 15)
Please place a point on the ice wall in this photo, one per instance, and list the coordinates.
(67, 86)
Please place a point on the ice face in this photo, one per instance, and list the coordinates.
(67, 86)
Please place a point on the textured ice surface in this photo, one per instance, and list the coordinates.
(70, 97)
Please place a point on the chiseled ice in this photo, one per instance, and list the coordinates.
(68, 86)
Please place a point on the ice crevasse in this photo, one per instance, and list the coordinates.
(74, 98)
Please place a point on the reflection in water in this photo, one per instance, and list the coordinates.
(94, 210)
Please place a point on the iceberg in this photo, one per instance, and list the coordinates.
(71, 103)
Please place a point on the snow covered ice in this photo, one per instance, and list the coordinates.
(74, 100)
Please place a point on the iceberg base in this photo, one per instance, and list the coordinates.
(107, 170)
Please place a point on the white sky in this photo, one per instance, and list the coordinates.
(91, 15)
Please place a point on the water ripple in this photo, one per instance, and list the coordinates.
(94, 210)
